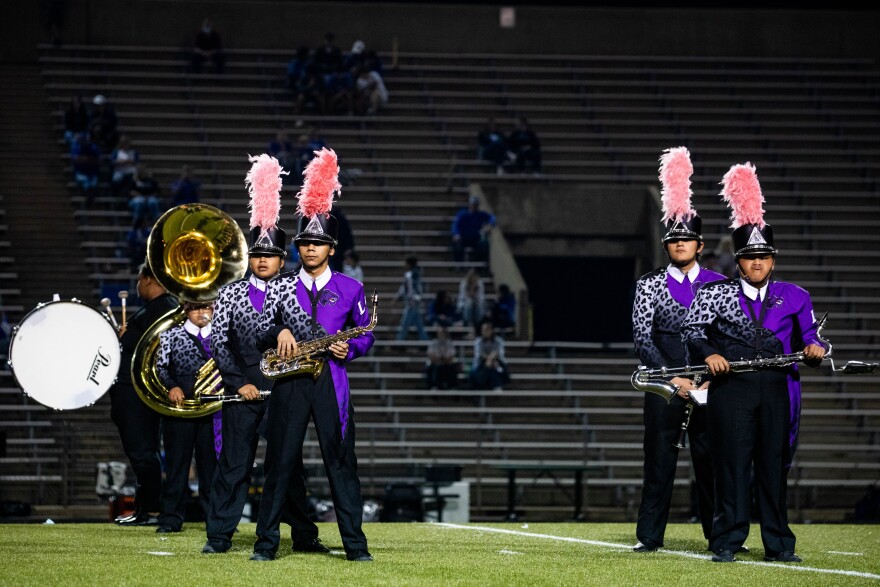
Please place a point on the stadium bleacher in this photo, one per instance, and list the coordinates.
(808, 124)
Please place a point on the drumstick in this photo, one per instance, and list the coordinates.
(123, 295)
(106, 303)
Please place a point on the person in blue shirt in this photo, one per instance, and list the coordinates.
(470, 229)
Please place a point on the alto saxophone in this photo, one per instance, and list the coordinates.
(309, 358)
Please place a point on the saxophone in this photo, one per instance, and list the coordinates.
(309, 358)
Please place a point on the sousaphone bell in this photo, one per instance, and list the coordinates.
(193, 250)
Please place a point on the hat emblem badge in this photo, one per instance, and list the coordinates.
(756, 237)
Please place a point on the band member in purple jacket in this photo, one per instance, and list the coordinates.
(238, 309)
(751, 414)
(661, 303)
(182, 352)
(304, 306)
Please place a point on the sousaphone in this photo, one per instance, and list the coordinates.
(193, 250)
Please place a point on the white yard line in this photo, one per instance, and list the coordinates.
(682, 553)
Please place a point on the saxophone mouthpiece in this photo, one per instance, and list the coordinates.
(374, 299)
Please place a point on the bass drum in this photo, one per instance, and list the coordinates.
(65, 355)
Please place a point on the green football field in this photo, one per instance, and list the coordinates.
(430, 554)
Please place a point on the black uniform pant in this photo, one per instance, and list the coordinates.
(293, 402)
(748, 425)
(662, 430)
(182, 437)
(139, 427)
(233, 475)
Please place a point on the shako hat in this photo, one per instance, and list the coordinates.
(320, 185)
(742, 192)
(264, 185)
(681, 220)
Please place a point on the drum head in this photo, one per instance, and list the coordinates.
(65, 355)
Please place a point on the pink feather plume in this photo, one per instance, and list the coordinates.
(263, 181)
(320, 184)
(675, 176)
(742, 192)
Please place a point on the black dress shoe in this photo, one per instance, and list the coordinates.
(723, 556)
(646, 546)
(310, 545)
(141, 519)
(359, 556)
(785, 556)
(163, 529)
(262, 555)
(213, 548)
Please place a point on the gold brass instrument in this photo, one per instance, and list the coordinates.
(193, 250)
(309, 357)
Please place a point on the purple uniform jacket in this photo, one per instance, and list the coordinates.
(719, 322)
(659, 309)
(341, 305)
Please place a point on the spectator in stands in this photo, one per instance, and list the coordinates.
(123, 165)
(524, 144)
(339, 88)
(345, 238)
(725, 258)
(328, 57)
(52, 16)
(503, 313)
(85, 158)
(471, 302)
(309, 92)
(185, 189)
(76, 119)
(489, 369)
(410, 293)
(492, 146)
(136, 240)
(441, 310)
(351, 265)
(208, 46)
(282, 149)
(370, 92)
(102, 124)
(470, 229)
(144, 197)
(296, 68)
(441, 368)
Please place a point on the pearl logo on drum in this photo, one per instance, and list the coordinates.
(100, 360)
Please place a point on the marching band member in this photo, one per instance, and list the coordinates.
(312, 304)
(661, 303)
(751, 414)
(238, 309)
(182, 352)
(139, 424)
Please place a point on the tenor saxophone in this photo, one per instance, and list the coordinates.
(310, 356)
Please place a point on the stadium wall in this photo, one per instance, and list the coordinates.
(444, 27)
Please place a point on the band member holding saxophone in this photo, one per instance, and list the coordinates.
(751, 414)
(238, 309)
(661, 303)
(309, 305)
(139, 424)
(182, 352)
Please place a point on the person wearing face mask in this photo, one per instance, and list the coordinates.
(238, 308)
(752, 415)
(182, 352)
(304, 306)
(661, 303)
